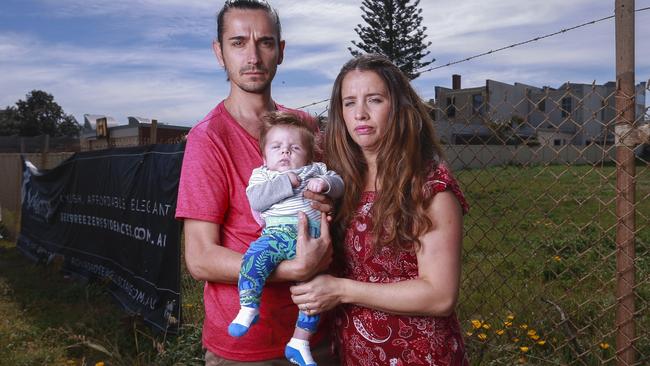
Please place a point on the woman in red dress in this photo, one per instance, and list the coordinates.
(398, 228)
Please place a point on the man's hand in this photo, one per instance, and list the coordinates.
(294, 179)
(313, 255)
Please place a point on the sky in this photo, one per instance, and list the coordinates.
(154, 59)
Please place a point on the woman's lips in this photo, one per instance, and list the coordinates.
(363, 130)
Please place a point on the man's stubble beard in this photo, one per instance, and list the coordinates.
(256, 87)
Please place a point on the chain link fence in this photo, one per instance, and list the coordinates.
(556, 264)
(544, 277)
(539, 168)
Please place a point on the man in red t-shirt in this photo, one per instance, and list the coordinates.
(221, 153)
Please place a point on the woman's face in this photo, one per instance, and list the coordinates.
(366, 104)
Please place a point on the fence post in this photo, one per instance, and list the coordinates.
(625, 186)
(45, 151)
(153, 132)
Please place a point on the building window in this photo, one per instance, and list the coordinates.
(567, 106)
(541, 105)
(451, 107)
(557, 142)
(477, 103)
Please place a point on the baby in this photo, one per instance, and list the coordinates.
(275, 192)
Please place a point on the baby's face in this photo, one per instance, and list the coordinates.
(285, 149)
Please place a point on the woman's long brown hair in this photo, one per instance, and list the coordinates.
(405, 156)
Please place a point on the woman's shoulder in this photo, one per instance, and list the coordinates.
(440, 179)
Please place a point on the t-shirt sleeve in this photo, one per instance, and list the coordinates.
(203, 188)
(264, 191)
(441, 179)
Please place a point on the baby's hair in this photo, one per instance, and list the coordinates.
(287, 119)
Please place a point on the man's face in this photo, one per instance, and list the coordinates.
(284, 149)
(250, 51)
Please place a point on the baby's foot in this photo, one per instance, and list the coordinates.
(297, 351)
(244, 319)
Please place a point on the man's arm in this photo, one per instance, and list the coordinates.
(208, 260)
(205, 257)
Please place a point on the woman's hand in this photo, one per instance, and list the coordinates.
(320, 294)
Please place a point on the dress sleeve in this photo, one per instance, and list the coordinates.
(441, 179)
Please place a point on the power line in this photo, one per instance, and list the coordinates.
(506, 47)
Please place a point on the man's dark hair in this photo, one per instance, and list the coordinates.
(247, 5)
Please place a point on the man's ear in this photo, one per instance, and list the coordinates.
(216, 47)
(281, 52)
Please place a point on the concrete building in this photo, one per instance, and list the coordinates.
(577, 114)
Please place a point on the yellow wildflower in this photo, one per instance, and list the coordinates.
(507, 324)
(100, 363)
(500, 331)
(482, 336)
(469, 334)
(486, 326)
(523, 349)
(557, 258)
(515, 339)
(534, 337)
(541, 342)
(531, 332)
(523, 326)
(604, 345)
(476, 323)
(510, 317)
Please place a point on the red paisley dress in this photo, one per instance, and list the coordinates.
(367, 337)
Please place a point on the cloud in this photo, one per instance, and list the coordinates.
(162, 66)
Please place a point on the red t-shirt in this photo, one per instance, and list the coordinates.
(219, 159)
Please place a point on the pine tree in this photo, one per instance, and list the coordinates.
(394, 29)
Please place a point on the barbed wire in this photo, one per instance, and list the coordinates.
(314, 103)
(526, 42)
(535, 39)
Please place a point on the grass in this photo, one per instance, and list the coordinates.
(539, 248)
(539, 257)
(47, 319)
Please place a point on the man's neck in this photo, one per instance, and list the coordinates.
(248, 108)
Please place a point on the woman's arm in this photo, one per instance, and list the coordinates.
(433, 293)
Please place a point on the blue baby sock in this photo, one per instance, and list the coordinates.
(244, 319)
(297, 351)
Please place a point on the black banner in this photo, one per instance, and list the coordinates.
(110, 215)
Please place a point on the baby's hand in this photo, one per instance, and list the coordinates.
(317, 185)
(294, 179)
